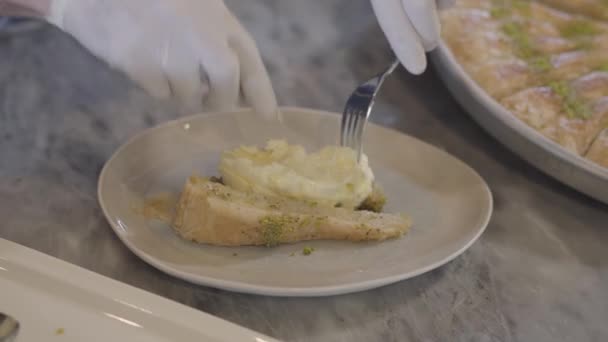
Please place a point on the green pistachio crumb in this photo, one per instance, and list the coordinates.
(374, 202)
(541, 63)
(520, 38)
(499, 12)
(524, 48)
(584, 44)
(572, 104)
(305, 222)
(274, 226)
(319, 220)
(522, 5)
(308, 250)
(578, 28)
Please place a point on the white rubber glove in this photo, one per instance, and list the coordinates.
(194, 50)
(411, 27)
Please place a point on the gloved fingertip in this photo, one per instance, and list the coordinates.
(267, 109)
(258, 93)
(412, 57)
(430, 46)
(416, 67)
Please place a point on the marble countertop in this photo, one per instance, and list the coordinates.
(539, 272)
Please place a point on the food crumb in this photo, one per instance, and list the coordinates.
(292, 254)
(308, 250)
(59, 331)
(235, 254)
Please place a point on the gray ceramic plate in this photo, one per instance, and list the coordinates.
(541, 152)
(449, 203)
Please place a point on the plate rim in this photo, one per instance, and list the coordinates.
(277, 291)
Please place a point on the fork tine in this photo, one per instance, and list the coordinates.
(343, 127)
(357, 111)
(345, 122)
(348, 124)
(353, 127)
(359, 132)
(357, 121)
(348, 118)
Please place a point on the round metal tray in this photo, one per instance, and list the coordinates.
(545, 154)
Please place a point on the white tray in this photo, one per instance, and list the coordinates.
(57, 301)
(548, 156)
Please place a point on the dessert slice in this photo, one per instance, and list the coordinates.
(213, 213)
(596, 9)
(562, 112)
(592, 86)
(598, 152)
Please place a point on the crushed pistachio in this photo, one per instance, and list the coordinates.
(524, 48)
(541, 63)
(503, 8)
(560, 88)
(308, 250)
(499, 12)
(520, 38)
(320, 220)
(363, 226)
(583, 44)
(59, 331)
(374, 202)
(578, 28)
(305, 222)
(292, 254)
(274, 226)
(350, 186)
(522, 5)
(603, 67)
(573, 106)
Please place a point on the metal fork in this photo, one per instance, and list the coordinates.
(358, 108)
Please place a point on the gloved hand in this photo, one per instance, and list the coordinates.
(411, 27)
(194, 50)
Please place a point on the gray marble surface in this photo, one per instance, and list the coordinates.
(539, 273)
